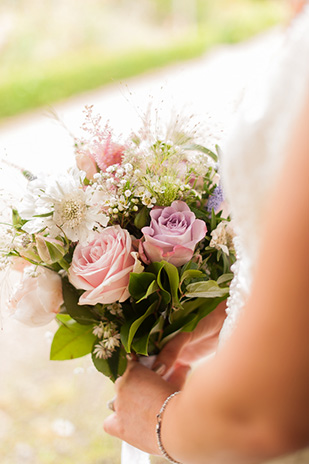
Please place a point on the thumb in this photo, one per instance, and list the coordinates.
(170, 352)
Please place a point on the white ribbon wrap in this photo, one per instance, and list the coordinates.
(131, 455)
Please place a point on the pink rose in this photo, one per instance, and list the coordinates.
(38, 297)
(173, 234)
(103, 267)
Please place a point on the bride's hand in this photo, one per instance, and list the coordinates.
(187, 347)
(142, 390)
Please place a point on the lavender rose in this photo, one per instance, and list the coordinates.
(172, 235)
(103, 267)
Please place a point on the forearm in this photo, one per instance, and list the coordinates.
(251, 402)
(208, 423)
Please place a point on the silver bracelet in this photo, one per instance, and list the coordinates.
(158, 429)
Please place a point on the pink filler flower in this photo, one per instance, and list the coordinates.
(99, 154)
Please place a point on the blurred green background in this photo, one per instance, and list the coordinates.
(52, 49)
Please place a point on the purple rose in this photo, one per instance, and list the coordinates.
(172, 235)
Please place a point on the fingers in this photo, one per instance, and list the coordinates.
(112, 426)
(170, 352)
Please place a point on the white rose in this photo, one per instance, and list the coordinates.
(38, 297)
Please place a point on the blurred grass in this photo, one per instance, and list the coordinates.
(25, 85)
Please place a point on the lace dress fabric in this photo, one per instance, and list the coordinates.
(253, 156)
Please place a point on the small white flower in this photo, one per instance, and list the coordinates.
(115, 309)
(63, 206)
(98, 330)
(110, 339)
(222, 237)
(101, 352)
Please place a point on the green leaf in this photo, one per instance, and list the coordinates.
(156, 267)
(209, 289)
(188, 266)
(142, 218)
(153, 288)
(200, 214)
(191, 274)
(225, 278)
(82, 314)
(139, 284)
(16, 219)
(112, 367)
(72, 341)
(140, 345)
(173, 277)
(176, 326)
(129, 329)
(187, 307)
(213, 221)
(44, 215)
(189, 320)
(64, 319)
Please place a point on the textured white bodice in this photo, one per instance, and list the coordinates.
(253, 156)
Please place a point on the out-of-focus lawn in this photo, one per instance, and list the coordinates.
(41, 63)
(50, 412)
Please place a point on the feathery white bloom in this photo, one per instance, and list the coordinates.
(222, 237)
(62, 205)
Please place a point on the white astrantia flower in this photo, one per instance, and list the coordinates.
(64, 206)
(222, 237)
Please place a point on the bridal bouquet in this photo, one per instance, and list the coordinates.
(124, 250)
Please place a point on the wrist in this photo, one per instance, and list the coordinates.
(160, 415)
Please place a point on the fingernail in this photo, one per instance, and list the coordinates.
(159, 369)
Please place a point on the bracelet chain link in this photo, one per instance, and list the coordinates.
(158, 430)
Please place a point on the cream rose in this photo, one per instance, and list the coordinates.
(38, 297)
(103, 267)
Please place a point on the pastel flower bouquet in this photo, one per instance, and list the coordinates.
(125, 250)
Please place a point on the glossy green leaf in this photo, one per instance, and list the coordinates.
(204, 309)
(153, 288)
(209, 289)
(191, 274)
(173, 277)
(83, 314)
(187, 307)
(142, 218)
(200, 214)
(224, 278)
(112, 367)
(72, 341)
(129, 329)
(139, 283)
(140, 345)
(64, 319)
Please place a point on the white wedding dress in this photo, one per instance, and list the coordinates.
(253, 156)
